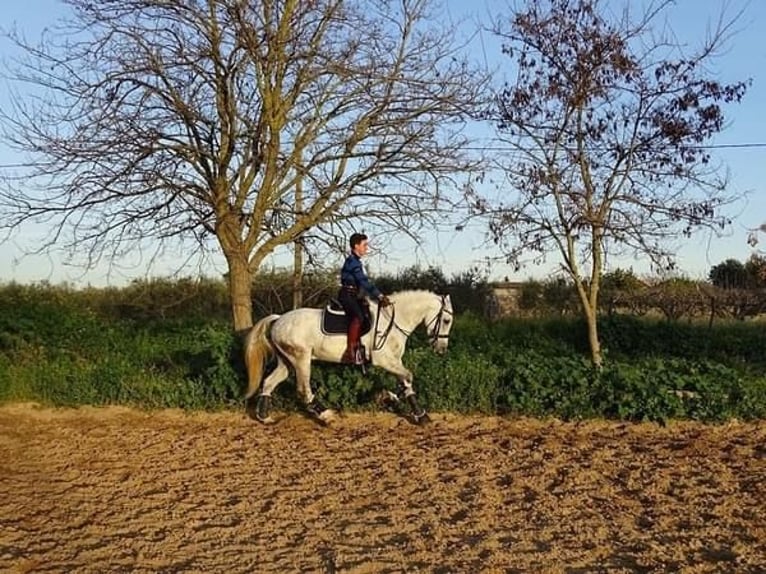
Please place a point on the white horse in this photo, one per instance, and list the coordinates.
(296, 338)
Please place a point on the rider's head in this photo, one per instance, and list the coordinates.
(358, 242)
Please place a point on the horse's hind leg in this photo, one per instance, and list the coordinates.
(303, 380)
(260, 410)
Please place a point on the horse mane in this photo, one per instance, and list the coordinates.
(410, 294)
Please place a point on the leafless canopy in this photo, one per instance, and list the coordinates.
(609, 120)
(164, 120)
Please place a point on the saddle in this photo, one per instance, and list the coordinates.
(334, 321)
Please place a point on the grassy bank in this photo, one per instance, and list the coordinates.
(64, 347)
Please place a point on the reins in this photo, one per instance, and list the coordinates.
(378, 344)
(384, 337)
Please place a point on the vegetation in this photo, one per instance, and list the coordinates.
(235, 127)
(733, 274)
(673, 298)
(170, 344)
(241, 128)
(607, 118)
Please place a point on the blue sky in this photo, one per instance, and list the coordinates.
(744, 58)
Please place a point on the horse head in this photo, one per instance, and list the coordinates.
(440, 324)
(412, 308)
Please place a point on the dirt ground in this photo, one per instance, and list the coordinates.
(120, 490)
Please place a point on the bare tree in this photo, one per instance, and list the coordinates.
(608, 123)
(167, 121)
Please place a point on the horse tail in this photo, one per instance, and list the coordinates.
(258, 349)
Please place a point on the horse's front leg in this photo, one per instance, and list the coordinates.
(405, 390)
(313, 404)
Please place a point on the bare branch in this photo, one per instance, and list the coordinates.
(609, 122)
(157, 121)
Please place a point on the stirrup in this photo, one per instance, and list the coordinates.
(351, 357)
(361, 358)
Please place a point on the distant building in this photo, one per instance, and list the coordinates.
(503, 300)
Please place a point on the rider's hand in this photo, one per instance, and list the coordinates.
(384, 301)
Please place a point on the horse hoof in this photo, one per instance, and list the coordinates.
(386, 399)
(327, 417)
(264, 420)
(269, 420)
(421, 419)
(320, 412)
(260, 411)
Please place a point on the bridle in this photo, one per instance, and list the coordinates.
(434, 334)
(437, 321)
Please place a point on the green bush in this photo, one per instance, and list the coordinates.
(61, 348)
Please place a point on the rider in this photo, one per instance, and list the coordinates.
(353, 281)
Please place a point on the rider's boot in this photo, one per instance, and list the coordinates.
(351, 356)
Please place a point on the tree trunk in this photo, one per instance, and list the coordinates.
(240, 293)
(297, 274)
(589, 305)
(298, 251)
(595, 345)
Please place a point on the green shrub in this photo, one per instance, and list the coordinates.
(59, 348)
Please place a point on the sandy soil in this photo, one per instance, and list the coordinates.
(119, 490)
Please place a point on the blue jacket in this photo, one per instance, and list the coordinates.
(353, 274)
